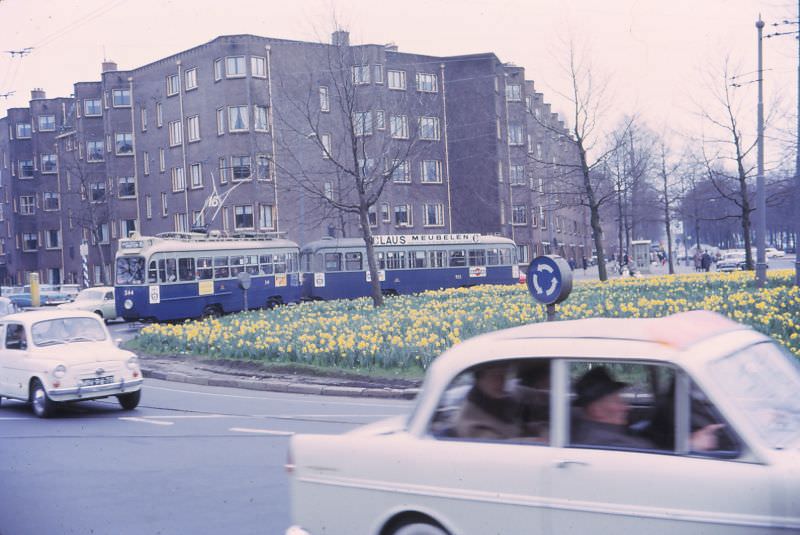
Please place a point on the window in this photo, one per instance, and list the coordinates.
(175, 133)
(477, 257)
(458, 258)
(144, 119)
(123, 144)
(49, 163)
(94, 151)
(396, 80)
(401, 171)
(52, 239)
(523, 253)
(366, 167)
(265, 217)
(159, 115)
(542, 218)
(243, 216)
(193, 128)
(164, 207)
(126, 186)
(92, 107)
(260, 118)
(516, 135)
(360, 74)
(362, 123)
(121, 98)
(190, 79)
(429, 128)
(27, 205)
(402, 215)
(162, 166)
(519, 214)
(237, 119)
(325, 141)
(198, 219)
(398, 126)
(26, 168)
(386, 216)
(98, 191)
(516, 175)
(258, 67)
(513, 92)
(378, 72)
(380, 120)
(196, 175)
(372, 216)
(324, 99)
(23, 130)
(47, 123)
(534, 216)
(178, 179)
(241, 167)
(218, 68)
(500, 174)
(262, 167)
(179, 222)
(148, 206)
(434, 215)
(50, 201)
(30, 241)
(223, 170)
(220, 121)
(431, 171)
(426, 83)
(235, 67)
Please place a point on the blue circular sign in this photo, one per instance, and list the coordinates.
(549, 279)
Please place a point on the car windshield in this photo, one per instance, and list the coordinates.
(90, 295)
(130, 270)
(763, 381)
(66, 330)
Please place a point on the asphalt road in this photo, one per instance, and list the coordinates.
(190, 460)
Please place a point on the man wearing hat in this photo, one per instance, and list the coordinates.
(605, 412)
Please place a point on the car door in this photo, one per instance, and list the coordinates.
(109, 309)
(13, 360)
(607, 490)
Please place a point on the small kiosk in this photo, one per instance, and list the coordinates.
(640, 253)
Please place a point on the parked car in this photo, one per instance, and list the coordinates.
(691, 375)
(99, 300)
(52, 356)
(772, 252)
(731, 262)
(70, 290)
(7, 306)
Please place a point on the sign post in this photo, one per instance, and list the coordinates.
(84, 250)
(549, 281)
(245, 280)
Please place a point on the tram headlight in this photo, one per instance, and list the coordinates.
(128, 304)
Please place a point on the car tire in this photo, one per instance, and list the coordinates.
(42, 405)
(130, 400)
(211, 311)
(419, 528)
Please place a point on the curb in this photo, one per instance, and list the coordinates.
(282, 386)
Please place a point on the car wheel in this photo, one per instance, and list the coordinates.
(419, 528)
(43, 406)
(130, 400)
(99, 313)
(274, 302)
(211, 311)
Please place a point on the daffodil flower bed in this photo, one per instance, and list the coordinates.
(410, 331)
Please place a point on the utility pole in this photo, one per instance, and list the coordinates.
(761, 197)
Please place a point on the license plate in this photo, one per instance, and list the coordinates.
(92, 381)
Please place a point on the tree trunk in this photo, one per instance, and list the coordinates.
(366, 232)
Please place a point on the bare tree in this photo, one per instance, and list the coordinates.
(667, 197)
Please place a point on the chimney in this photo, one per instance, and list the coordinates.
(109, 66)
(390, 47)
(37, 93)
(340, 38)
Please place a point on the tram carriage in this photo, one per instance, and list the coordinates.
(174, 276)
(337, 268)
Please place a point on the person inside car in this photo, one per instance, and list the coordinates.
(489, 410)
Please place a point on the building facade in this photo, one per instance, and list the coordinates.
(252, 134)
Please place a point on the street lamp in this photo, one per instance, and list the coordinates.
(761, 198)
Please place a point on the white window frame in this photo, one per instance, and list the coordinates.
(519, 215)
(325, 140)
(47, 244)
(258, 67)
(378, 73)
(362, 123)
(220, 121)
(425, 177)
(402, 172)
(27, 204)
(162, 160)
(438, 214)
(398, 126)
(47, 126)
(196, 175)
(361, 74)
(434, 123)
(193, 128)
(190, 79)
(178, 179)
(513, 93)
(91, 156)
(127, 180)
(241, 209)
(164, 204)
(427, 82)
(52, 158)
(263, 210)
(324, 99)
(159, 115)
(117, 144)
(47, 195)
(260, 112)
(175, 133)
(173, 84)
(242, 112)
(219, 69)
(120, 95)
(396, 80)
(398, 209)
(87, 102)
(516, 135)
(236, 62)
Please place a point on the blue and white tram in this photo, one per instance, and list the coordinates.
(337, 268)
(187, 275)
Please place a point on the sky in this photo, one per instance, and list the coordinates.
(657, 57)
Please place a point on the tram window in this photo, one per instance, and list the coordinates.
(292, 262)
(252, 264)
(266, 264)
(437, 259)
(506, 256)
(492, 257)
(167, 270)
(186, 269)
(458, 258)
(280, 262)
(395, 260)
(305, 261)
(333, 261)
(477, 257)
(416, 259)
(221, 267)
(353, 262)
(152, 273)
(237, 265)
(381, 260)
(204, 270)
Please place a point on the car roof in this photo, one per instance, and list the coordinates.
(101, 288)
(32, 316)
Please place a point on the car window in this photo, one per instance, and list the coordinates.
(15, 337)
(497, 401)
(109, 296)
(66, 330)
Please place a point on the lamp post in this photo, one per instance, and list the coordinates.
(761, 198)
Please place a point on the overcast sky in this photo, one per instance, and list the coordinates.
(655, 54)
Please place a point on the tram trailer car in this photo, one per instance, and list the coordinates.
(187, 275)
(336, 268)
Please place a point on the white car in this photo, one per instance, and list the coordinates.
(52, 356)
(772, 252)
(99, 300)
(712, 445)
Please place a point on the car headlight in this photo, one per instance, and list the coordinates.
(128, 304)
(133, 362)
(59, 371)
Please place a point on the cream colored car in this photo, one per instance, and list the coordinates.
(48, 357)
(99, 300)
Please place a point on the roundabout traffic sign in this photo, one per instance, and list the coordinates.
(549, 279)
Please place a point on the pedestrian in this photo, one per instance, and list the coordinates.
(698, 260)
(705, 261)
(584, 264)
(572, 264)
